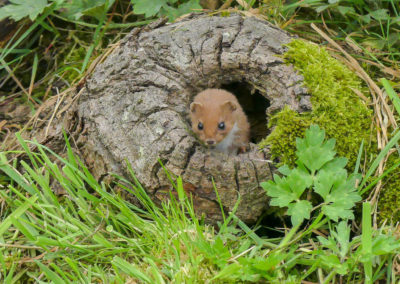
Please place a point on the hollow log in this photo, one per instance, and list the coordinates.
(134, 109)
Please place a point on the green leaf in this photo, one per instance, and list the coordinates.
(298, 181)
(341, 200)
(342, 235)
(299, 211)
(312, 151)
(333, 262)
(75, 9)
(149, 7)
(322, 8)
(344, 10)
(285, 170)
(279, 191)
(384, 244)
(381, 14)
(366, 18)
(325, 179)
(182, 9)
(18, 9)
(336, 164)
(287, 189)
(323, 183)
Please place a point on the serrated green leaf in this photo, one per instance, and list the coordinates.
(182, 9)
(342, 198)
(279, 191)
(314, 136)
(336, 164)
(384, 244)
(311, 150)
(323, 183)
(342, 235)
(333, 262)
(75, 9)
(326, 179)
(18, 9)
(149, 7)
(299, 181)
(299, 211)
(285, 170)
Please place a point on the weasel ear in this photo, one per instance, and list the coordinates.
(229, 105)
(195, 107)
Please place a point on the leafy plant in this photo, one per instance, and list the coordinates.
(18, 9)
(75, 9)
(170, 8)
(319, 171)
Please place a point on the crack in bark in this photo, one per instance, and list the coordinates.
(191, 153)
(236, 166)
(219, 53)
(241, 22)
(254, 44)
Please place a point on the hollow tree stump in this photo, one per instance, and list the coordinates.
(135, 107)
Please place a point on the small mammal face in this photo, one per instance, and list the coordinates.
(216, 115)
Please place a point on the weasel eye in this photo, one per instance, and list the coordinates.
(221, 126)
(200, 126)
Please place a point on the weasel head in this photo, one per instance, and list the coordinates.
(213, 119)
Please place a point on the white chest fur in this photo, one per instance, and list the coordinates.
(228, 144)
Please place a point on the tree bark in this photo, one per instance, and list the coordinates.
(135, 107)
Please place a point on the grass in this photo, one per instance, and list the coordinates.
(91, 234)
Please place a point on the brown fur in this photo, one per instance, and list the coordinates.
(213, 106)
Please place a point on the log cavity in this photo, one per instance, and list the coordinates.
(135, 107)
(254, 105)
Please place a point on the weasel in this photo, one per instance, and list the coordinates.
(219, 121)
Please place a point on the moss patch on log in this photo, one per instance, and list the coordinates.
(336, 106)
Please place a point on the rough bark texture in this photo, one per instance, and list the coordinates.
(135, 107)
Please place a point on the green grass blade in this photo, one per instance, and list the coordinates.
(385, 173)
(51, 275)
(16, 214)
(15, 176)
(366, 241)
(357, 167)
(376, 162)
(130, 269)
(392, 94)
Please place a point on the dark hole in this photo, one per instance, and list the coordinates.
(271, 225)
(254, 105)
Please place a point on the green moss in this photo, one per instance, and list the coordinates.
(389, 200)
(336, 107)
(338, 110)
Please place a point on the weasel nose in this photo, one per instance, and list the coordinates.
(210, 142)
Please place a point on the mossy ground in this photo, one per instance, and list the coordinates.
(336, 107)
(338, 110)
